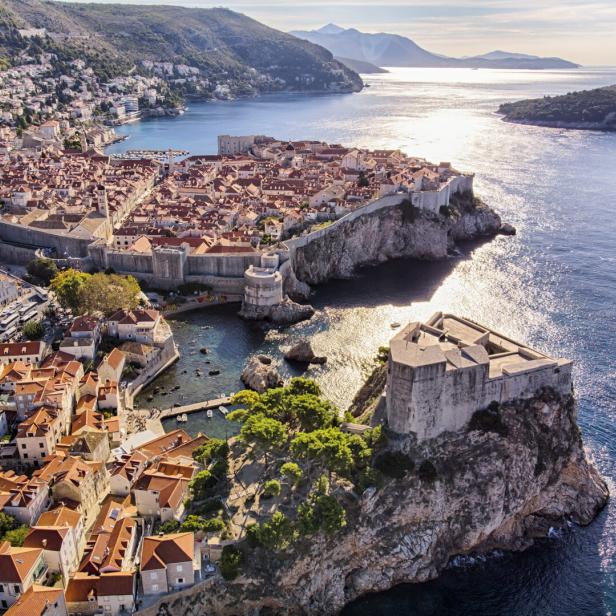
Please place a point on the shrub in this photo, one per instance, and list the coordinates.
(230, 562)
(33, 330)
(42, 270)
(271, 488)
(394, 464)
(170, 526)
(427, 471)
(291, 472)
(275, 534)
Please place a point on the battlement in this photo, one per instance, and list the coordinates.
(442, 371)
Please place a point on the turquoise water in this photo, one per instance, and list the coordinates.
(553, 286)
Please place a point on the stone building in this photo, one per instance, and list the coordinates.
(442, 371)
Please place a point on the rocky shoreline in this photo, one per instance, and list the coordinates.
(492, 486)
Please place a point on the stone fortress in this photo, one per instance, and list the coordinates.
(442, 371)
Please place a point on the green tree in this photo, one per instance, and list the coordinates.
(312, 412)
(7, 523)
(300, 385)
(17, 536)
(321, 512)
(201, 484)
(33, 330)
(264, 433)
(214, 452)
(109, 292)
(170, 526)
(246, 398)
(230, 562)
(291, 472)
(275, 534)
(67, 286)
(271, 488)
(42, 270)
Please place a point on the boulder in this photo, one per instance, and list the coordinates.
(507, 229)
(302, 353)
(260, 374)
(289, 312)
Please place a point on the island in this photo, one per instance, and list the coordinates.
(584, 110)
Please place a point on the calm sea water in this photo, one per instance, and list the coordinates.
(553, 286)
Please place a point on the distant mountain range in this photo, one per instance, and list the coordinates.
(394, 50)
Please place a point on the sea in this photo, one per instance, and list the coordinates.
(552, 286)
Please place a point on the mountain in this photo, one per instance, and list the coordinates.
(359, 66)
(384, 49)
(221, 43)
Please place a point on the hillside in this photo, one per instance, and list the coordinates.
(383, 49)
(219, 42)
(588, 109)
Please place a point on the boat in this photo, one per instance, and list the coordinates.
(210, 413)
(183, 418)
(223, 410)
(395, 325)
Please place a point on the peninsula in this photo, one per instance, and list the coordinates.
(471, 446)
(584, 110)
(258, 222)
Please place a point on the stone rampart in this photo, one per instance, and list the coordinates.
(38, 238)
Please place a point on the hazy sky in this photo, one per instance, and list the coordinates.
(578, 30)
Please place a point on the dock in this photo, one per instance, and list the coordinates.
(193, 408)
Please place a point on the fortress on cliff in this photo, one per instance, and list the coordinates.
(442, 371)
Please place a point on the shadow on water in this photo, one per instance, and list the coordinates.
(545, 580)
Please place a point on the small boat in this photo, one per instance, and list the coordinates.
(210, 413)
(395, 325)
(223, 410)
(183, 418)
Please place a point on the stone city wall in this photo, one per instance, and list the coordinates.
(38, 238)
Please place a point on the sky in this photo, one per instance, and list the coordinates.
(583, 31)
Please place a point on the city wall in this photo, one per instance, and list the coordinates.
(38, 238)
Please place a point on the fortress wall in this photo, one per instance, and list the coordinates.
(130, 262)
(430, 400)
(18, 234)
(17, 255)
(230, 265)
(380, 204)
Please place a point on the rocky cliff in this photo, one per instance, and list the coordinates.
(389, 233)
(510, 476)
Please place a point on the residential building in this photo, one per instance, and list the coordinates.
(168, 562)
(20, 568)
(39, 601)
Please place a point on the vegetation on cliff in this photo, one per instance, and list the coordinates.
(225, 46)
(595, 108)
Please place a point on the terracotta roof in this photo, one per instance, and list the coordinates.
(46, 537)
(116, 583)
(35, 600)
(115, 358)
(17, 563)
(59, 516)
(21, 348)
(158, 552)
(165, 442)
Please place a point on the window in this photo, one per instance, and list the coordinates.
(41, 445)
(178, 567)
(180, 580)
(25, 455)
(4, 604)
(23, 445)
(154, 587)
(16, 588)
(153, 575)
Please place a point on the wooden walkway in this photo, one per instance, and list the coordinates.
(193, 408)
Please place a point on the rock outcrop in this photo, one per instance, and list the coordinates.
(302, 353)
(494, 485)
(394, 232)
(289, 312)
(260, 374)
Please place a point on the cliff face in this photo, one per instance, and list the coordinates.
(395, 232)
(496, 486)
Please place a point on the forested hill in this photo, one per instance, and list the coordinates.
(219, 42)
(592, 109)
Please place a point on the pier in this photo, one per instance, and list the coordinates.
(193, 408)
